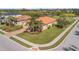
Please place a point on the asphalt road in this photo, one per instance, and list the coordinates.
(72, 40)
(7, 44)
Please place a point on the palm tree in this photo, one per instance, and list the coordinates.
(11, 21)
(35, 25)
(39, 25)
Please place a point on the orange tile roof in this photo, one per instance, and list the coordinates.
(46, 19)
(23, 18)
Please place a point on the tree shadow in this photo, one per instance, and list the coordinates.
(71, 48)
(76, 32)
(65, 49)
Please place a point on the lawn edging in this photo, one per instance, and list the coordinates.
(60, 40)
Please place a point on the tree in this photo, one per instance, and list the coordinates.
(2, 20)
(11, 21)
(35, 26)
(62, 22)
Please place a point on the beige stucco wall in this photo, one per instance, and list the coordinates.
(46, 26)
(21, 22)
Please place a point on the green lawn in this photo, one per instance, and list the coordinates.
(43, 37)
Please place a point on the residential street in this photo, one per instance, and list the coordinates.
(10, 45)
(71, 39)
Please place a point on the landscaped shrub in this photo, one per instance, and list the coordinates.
(49, 27)
(53, 25)
(64, 21)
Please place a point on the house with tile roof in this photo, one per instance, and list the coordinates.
(47, 21)
(22, 19)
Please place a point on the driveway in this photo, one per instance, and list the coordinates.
(71, 39)
(9, 34)
(7, 44)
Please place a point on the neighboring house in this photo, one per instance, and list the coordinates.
(47, 21)
(23, 19)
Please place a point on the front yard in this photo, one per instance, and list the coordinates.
(43, 37)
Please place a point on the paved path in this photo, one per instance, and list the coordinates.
(7, 44)
(71, 39)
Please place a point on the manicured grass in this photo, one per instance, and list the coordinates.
(58, 42)
(20, 42)
(9, 29)
(42, 37)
